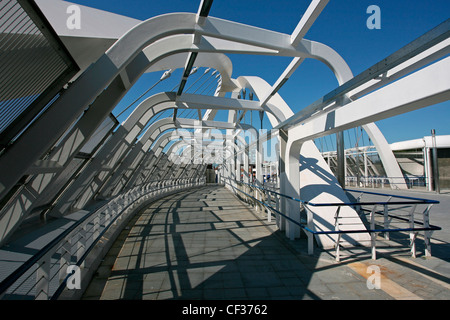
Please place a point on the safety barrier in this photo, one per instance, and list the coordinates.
(414, 225)
(411, 182)
(44, 276)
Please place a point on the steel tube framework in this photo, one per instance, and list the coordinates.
(76, 154)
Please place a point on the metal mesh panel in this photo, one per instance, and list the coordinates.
(30, 60)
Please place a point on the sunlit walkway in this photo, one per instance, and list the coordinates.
(205, 244)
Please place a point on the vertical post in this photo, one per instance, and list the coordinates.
(81, 247)
(246, 166)
(412, 234)
(340, 170)
(43, 278)
(96, 228)
(107, 217)
(386, 218)
(258, 167)
(427, 234)
(338, 239)
(277, 206)
(427, 168)
(292, 187)
(238, 168)
(373, 235)
(366, 171)
(386, 221)
(66, 253)
(358, 172)
(282, 202)
(435, 163)
(310, 225)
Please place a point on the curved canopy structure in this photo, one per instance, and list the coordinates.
(76, 154)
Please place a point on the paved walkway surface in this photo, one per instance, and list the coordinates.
(206, 244)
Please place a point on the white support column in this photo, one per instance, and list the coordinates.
(387, 157)
(366, 171)
(281, 221)
(258, 168)
(427, 168)
(238, 167)
(292, 187)
(246, 165)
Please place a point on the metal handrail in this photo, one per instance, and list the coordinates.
(425, 201)
(370, 231)
(47, 249)
(270, 207)
(414, 200)
(431, 228)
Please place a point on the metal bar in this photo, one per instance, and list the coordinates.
(396, 196)
(429, 228)
(309, 234)
(414, 200)
(65, 258)
(43, 279)
(204, 8)
(373, 235)
(412, 235)
(412, 49)
(386, 220)
(336, 227)
(435, 163)
(427, 233)
(50, 247)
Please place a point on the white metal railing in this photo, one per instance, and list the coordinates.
(401, 209)
(45, 274)
(385, 182)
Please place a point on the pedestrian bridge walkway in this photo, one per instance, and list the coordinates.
(206, 244)
(201, 241)
(112, 197)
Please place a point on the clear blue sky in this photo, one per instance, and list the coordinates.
(342, 25)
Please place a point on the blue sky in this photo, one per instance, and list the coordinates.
(342, 25)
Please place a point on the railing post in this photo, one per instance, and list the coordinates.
(386, 219)
(373, 235)
(269, 212)
(412, 234)
(96, 228)
(338, 239)
(310, 225)
(81, 243)
(43, 278)
(358, 207)
(277, 206)
(107, 215)
(427, 233)
(255, 195)
(64, 261)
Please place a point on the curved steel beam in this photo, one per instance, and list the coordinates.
(127, 52)
(149, 137)
(126, 58)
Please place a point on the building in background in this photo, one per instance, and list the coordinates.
(415, 158)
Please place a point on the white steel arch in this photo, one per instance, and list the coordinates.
(145, 45)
